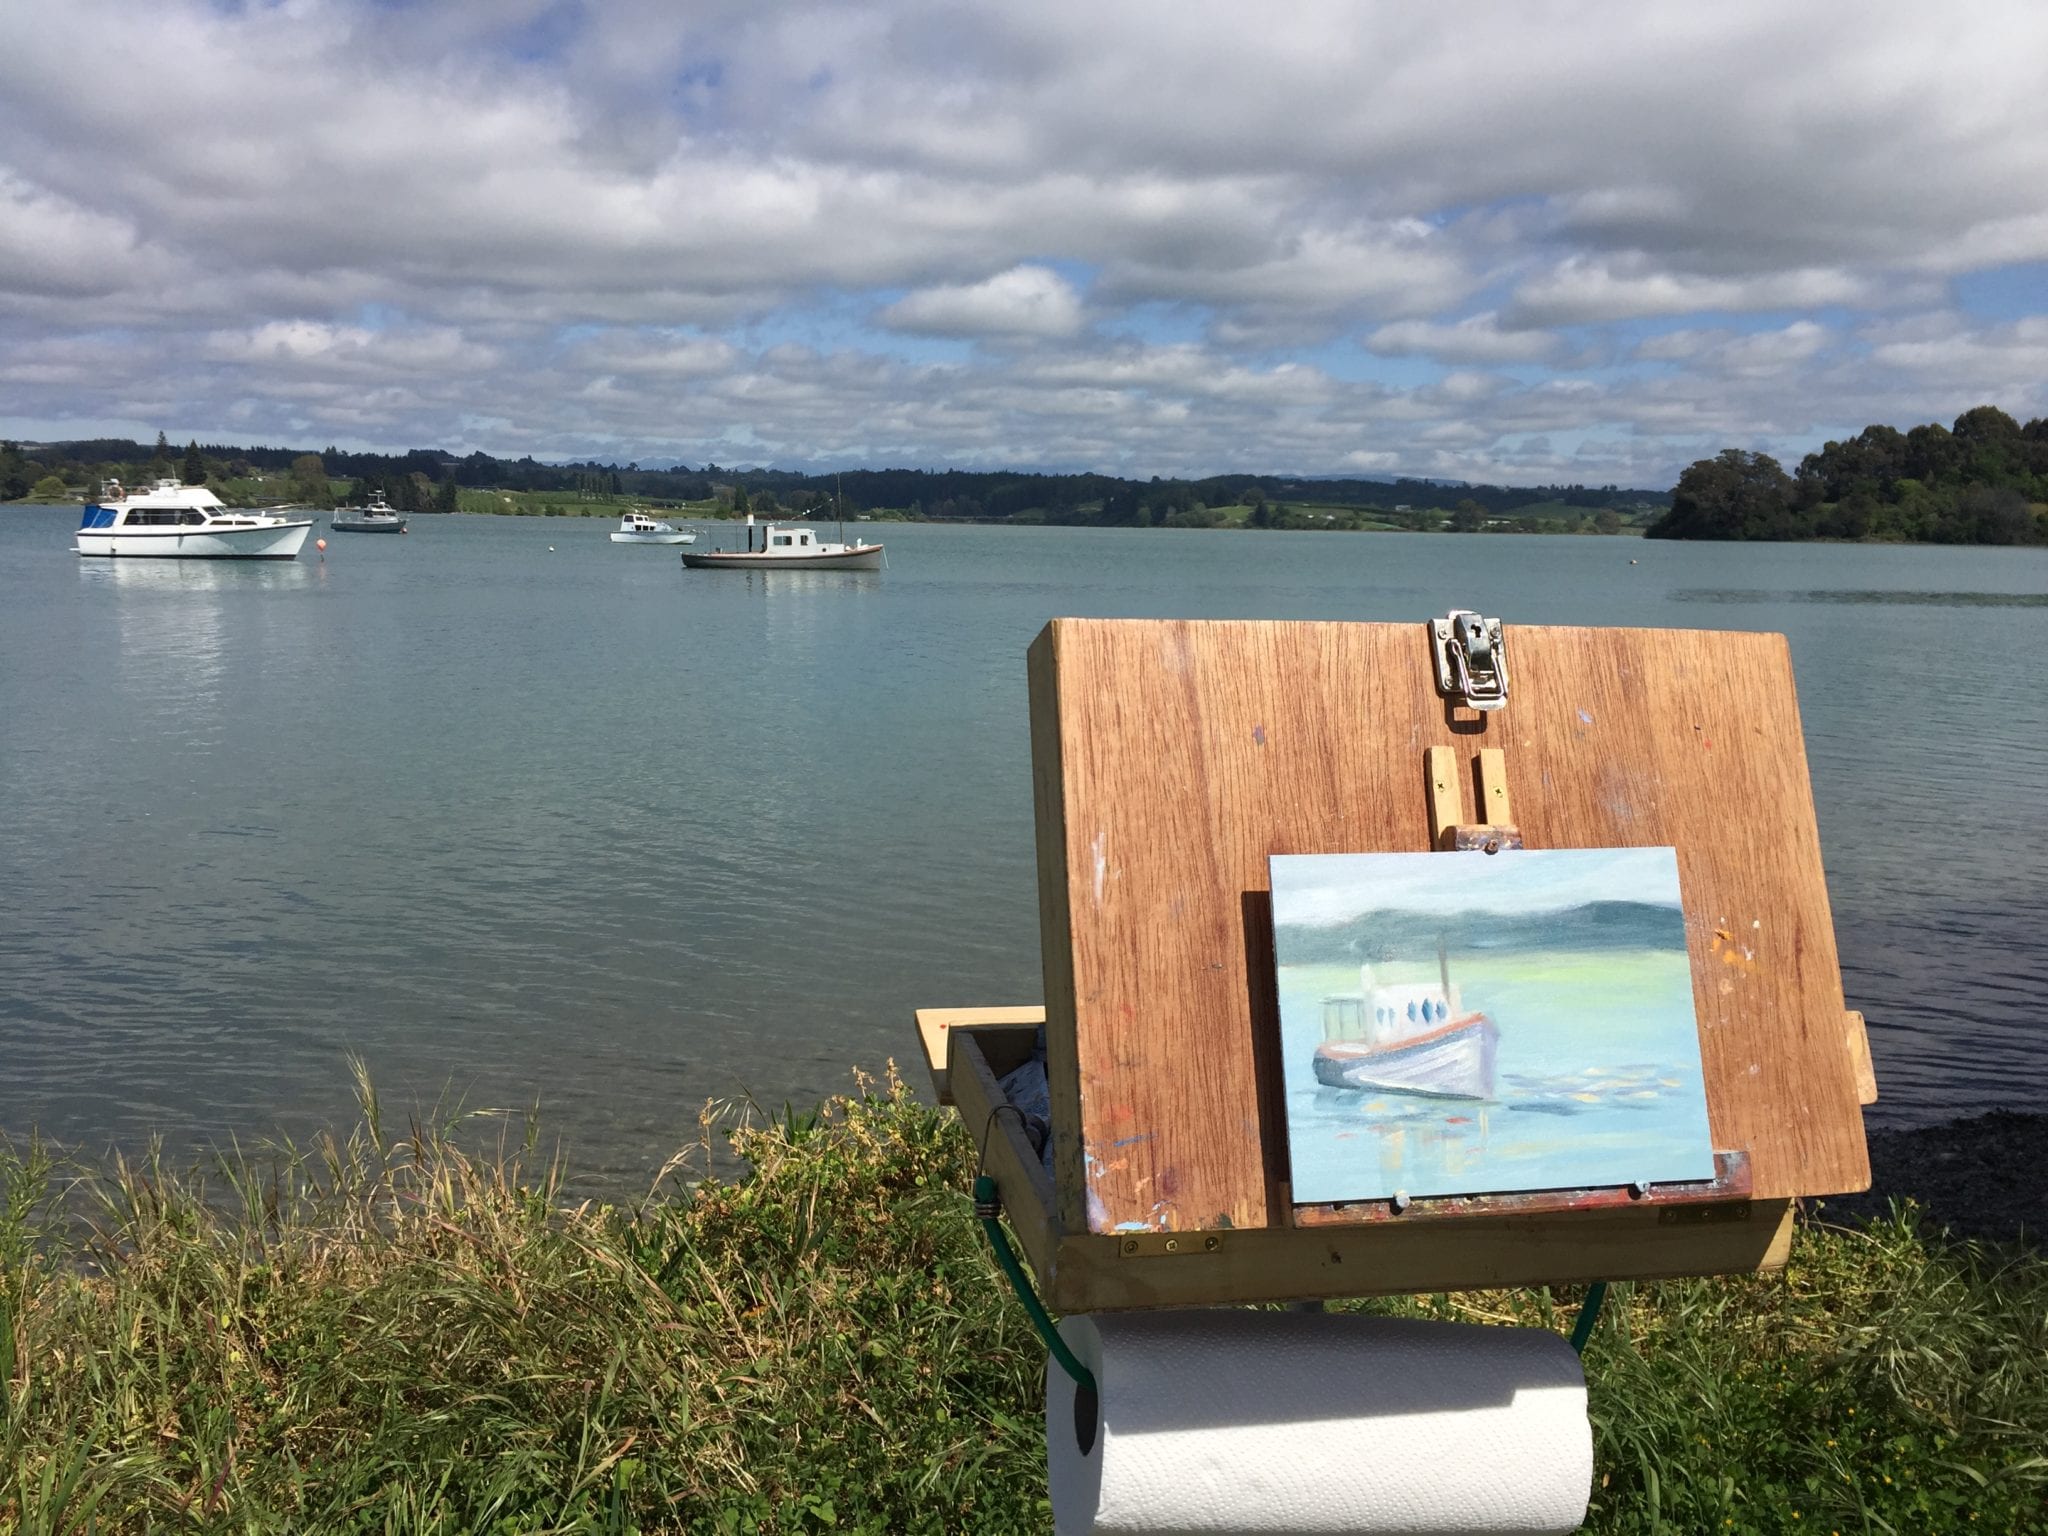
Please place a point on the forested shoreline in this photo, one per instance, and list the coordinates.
(431, 480)
(1982, 481)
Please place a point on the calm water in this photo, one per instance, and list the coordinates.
(501, 806)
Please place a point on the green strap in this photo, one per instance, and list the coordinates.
(1589, 1314)
(985, 1199)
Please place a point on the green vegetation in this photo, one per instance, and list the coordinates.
(427, 480)
(388, 1333)
(574, 503)
(1984, 482)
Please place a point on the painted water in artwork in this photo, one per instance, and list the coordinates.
(1460, 1024)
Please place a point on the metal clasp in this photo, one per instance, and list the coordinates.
(1471, 661)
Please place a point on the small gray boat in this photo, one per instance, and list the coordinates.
(377, 517)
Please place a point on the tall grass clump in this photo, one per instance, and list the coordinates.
(396, 1332)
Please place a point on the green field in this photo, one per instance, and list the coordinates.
(578, 504)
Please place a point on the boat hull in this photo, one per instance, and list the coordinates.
(681, 536)
(1455, 1061)
(369, 525)
(868, 557)
(275, 541)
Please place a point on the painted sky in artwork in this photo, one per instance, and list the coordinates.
(1330, 888)
(1528, 243)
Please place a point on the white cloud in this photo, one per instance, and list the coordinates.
(1583, 290)
(314, 347)
(52, 246)
(1755, 355)
(2010, 360)
(1475, 339)
(1024, 301)
(554, 229)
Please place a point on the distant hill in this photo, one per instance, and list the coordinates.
(1379, 936)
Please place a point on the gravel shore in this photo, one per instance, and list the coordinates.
(1984, 1177)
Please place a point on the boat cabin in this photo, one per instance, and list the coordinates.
(167, 504)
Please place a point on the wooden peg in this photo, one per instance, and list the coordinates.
(1494, 810)
(1446, 801)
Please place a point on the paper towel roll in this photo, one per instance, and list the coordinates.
(1269, 1422)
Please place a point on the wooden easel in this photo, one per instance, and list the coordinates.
(1171, 759)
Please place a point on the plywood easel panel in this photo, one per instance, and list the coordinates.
(1171, 759)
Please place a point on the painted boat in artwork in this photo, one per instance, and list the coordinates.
(1453, 1061)
(1406, 1039)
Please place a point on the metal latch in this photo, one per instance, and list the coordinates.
(1471, 661)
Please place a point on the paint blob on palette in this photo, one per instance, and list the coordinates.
(1468, 1024)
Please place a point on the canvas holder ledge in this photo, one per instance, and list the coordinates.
(1172, 760)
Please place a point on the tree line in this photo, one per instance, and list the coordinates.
(1982, 481)
(425, 479)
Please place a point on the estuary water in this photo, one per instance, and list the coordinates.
(512, 813)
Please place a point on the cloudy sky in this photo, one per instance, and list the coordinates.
(1518, 242)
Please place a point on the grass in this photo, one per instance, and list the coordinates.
(387, 1332)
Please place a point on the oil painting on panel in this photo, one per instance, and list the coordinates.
(1462, 1024)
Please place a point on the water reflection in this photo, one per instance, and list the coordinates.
(795, 584)
(197, 575)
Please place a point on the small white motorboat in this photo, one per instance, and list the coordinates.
(1406, 1039)
(184, 522)
(639, 528)
(787, 549)
(377, 517)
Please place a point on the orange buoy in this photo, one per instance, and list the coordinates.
(321, 545)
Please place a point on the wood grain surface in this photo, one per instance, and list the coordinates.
(1171, 759)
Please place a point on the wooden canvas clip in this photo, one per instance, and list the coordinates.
(1448, 828)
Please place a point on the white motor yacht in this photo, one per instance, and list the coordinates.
(184, 522)
(639, 528)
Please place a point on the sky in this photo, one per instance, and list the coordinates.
(1527, 242)
(1327, 889)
